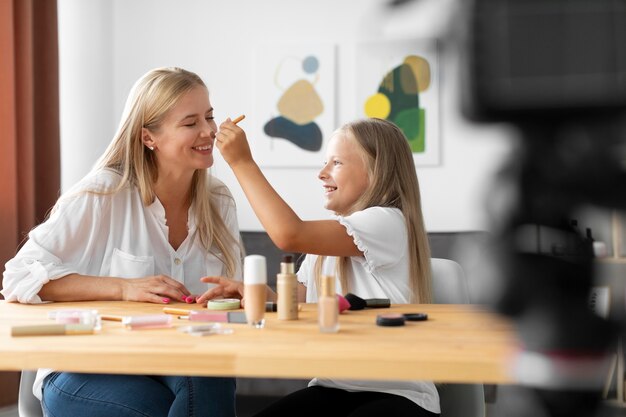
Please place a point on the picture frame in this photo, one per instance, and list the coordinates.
(399, 80)
(295, 103)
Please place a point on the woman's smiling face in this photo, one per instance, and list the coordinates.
(185, 138)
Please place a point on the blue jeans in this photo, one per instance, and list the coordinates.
(95, 395)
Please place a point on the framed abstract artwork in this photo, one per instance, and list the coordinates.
(399, 81)
(295, 104)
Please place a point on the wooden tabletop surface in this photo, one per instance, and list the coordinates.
(458, 343)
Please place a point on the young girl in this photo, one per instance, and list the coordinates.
(145, 225)
(377, 235)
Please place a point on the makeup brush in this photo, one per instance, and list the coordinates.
(358, 303)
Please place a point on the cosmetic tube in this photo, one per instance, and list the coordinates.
(328, 306)
(216, 316)
(153, 321)
(52, 330)
(254, 289)
(287, 288)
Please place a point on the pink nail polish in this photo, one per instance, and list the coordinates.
(189, 300)
(166, 300)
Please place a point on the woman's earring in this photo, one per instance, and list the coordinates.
(151, 148)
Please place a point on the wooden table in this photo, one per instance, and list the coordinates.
(458, 343)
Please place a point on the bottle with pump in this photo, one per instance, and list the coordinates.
(287, 288)
(328, 306)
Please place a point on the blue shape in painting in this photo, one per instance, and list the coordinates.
(307, 137)
(310, 64)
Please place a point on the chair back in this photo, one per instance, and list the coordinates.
(449, 282)
(28, 404)
(450, 287)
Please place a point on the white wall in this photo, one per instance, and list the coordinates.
(86, 83)
(106, 45)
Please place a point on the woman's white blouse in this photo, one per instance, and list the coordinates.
(112, 235)
(383, 272)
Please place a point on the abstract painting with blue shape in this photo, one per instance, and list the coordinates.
(298, 107)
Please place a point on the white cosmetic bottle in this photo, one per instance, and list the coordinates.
(254, 289)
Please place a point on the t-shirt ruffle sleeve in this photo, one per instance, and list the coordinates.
(305, 271)
(378, 232)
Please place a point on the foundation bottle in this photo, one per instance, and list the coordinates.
(287, 288)
(328, 306)
(254, 289)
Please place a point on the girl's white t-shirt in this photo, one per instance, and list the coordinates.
(383, 272)
(113, 235)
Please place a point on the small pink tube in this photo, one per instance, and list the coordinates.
(148, 322)
(198, 315)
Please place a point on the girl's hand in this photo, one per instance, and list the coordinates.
(232, 142)
(224, 288)
(159, 289)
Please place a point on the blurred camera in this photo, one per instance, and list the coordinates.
(543, 59)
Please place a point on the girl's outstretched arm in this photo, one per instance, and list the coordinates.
(282, 224)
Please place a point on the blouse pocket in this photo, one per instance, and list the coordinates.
(125, 265)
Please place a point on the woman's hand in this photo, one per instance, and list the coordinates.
(224, 288)
(232, 143)
(159, 289)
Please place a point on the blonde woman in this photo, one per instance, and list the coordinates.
(377, 237)
(145, 225)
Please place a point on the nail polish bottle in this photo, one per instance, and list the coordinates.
(254, 289)
(328, 306)
(287, 288)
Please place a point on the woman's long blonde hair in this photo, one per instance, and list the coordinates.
(393, 183)
(152, 96)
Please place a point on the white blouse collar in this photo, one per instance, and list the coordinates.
(158, 211)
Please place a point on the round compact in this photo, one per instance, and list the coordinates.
(388, 320)
(415, 316)
(224, 304)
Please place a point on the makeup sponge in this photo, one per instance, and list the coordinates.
(343, 303)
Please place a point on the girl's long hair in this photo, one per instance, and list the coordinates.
(152, 96)
(393, 183)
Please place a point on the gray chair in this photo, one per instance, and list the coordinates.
(28, 404)
(450, 287)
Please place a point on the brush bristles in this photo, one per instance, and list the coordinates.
(356, 302)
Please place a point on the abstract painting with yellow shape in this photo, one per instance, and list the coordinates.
(398, 81)
(295, 104)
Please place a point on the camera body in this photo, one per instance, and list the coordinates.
(539, 59)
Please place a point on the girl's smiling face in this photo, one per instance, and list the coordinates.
(345, 176)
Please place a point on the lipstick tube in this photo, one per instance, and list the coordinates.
(216, 316)
(154, 321)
